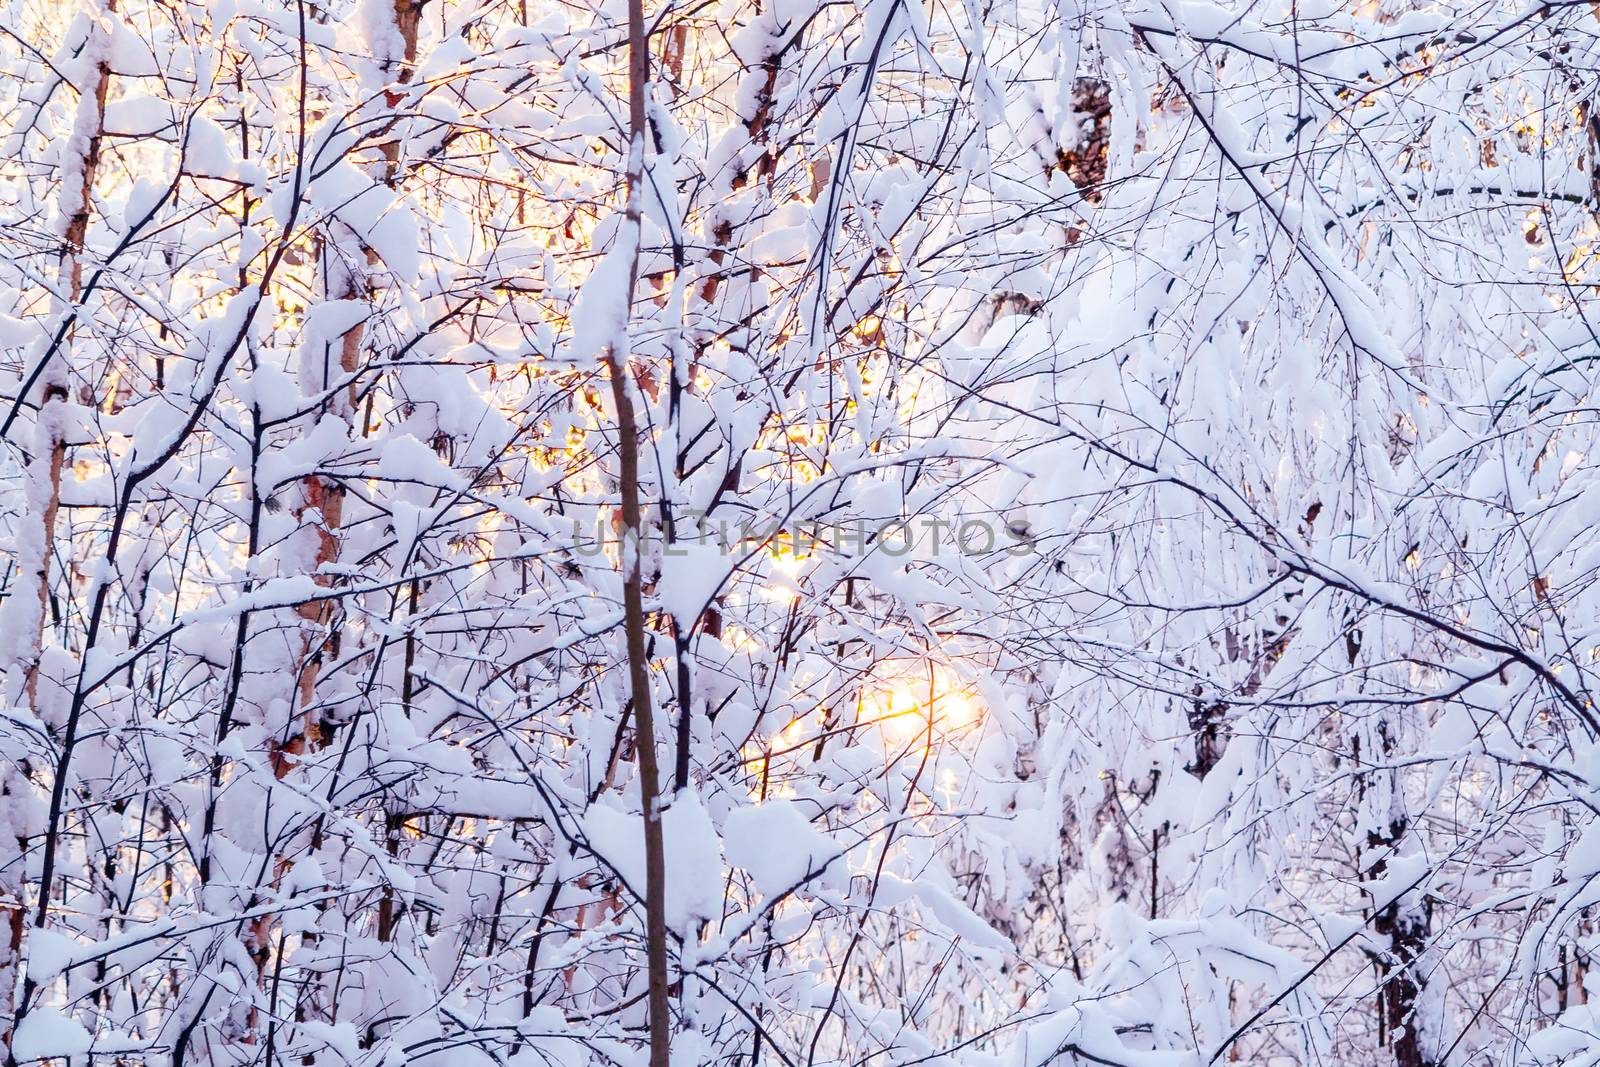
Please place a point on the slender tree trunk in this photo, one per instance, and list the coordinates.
(77, 201)
(343, 279)
(1404, 933)
(1402, 927)
(77, 205)
(632, 567)
(345, 282)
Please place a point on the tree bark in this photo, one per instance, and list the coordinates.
(77, 205)
(1403, 933)
(1402, 927)
(50, 437)
(632, 567)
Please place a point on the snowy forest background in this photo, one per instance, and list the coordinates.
(863, 533)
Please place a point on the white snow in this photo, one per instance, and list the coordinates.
(777, 845)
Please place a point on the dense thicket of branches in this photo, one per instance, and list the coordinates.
(1113, 546)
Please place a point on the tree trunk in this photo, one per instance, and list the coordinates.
(1401, 926)
(632, 567)
(1403, 933)
(48, 461)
